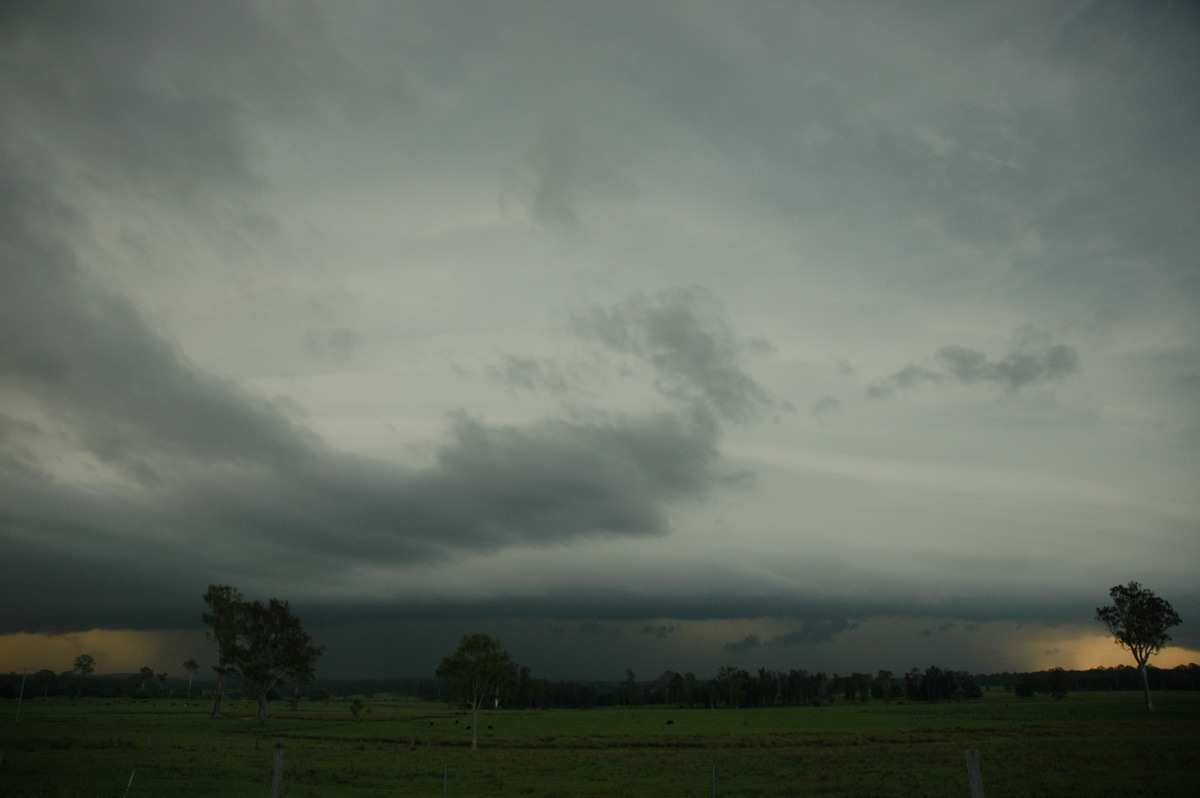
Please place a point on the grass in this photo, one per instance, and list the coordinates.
(1092, 744)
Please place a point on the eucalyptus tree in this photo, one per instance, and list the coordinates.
(1138, 620)
(224, 604)
(476, 673)
(271, 646)
(85, 665)
(258, 644)
(192, 667)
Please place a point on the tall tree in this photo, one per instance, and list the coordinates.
(192, 667)
(224, 606)
(1138, 620)
(271, 646)
(258, 644)
(475, 673)
(46, 678)
(628, 691)
(85, 664)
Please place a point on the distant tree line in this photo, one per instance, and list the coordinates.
(146, 683)
(734, 687)
(730, 687)
(761, 688)
(1120, 677)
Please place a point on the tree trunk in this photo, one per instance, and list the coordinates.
(262, 709)
(474, 726)
(1146, 686)
(216, 712)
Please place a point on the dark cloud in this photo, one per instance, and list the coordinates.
(133, 471)
(1033, 363)
(566, 172)
(810, 632)
(825, 405)
(1014, 371)
(814, 631)
(156, 96)
(661, 631)
(747, 643)
(89, 360)
(682, 334)
(531, 374)
(206, 479)
(490, 487)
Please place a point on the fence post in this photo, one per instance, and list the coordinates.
(277, 774)
(974, 775)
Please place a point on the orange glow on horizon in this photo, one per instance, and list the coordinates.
(115, 650)
(1090, 650)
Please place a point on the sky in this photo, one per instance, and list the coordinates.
(646, 336)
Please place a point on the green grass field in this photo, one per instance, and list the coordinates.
(1091, 744)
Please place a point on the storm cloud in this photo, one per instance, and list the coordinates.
(431, 319)
(682, 335)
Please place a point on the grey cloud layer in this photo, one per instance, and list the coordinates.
(959, 364)
(429, 183)
(810, 632)
(219, 481)
(683, 336)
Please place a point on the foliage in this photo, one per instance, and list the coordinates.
(476, 673)
(261, 645)
(1138, 620)
(224, 602)
(85, 664)
(192, 667)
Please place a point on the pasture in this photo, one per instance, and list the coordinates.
(1091, 744)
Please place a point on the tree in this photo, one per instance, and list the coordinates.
(1056, 681)
(146, 674)
(271, 646)
(46, 678)
(627, 691)
(192, 667)
(224, 603)
(1138, 620)
(732, 681)
(85, 664)
(671, 683)
(258, 644)
(475, 673)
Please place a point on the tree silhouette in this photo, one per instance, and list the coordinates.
(221, 619)
(1138, 620)
(475, 673)
(85, 664)
(192, 667)
(258, 644)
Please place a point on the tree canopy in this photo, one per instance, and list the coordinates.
(475, 673)
(1138, 620)
(260, 645)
